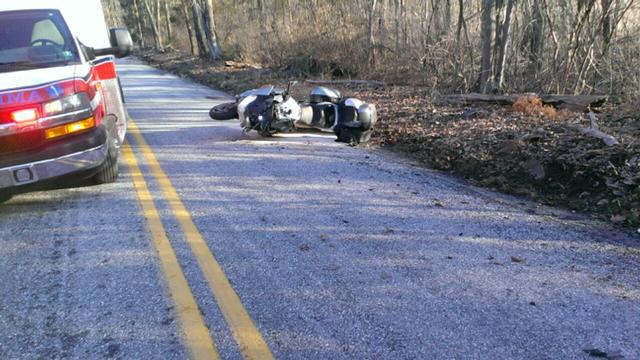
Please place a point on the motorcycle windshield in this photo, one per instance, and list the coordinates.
(263, 91)
(266, 90)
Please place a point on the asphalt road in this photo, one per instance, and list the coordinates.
(299, 247)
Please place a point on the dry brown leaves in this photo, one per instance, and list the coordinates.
(529, 149)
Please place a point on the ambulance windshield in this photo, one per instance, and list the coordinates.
(35, 39)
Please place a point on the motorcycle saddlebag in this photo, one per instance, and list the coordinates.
(356, 114)
(356, 121)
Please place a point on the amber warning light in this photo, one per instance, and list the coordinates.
(70, 128)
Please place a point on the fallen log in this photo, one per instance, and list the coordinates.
(569, 102)
(346, 82)
(595, 132)
(241, 65)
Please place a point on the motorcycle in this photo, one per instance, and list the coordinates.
(270, 109)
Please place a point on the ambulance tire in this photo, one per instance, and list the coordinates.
(108, 171)
(4, 198)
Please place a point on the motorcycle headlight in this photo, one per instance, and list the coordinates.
(67, 104)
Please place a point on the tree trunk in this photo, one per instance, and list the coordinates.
(215, 53)
(486, 69)
(186, 13)
(504, 42)
(460, 23)
(398, 24)
(372, 39)
(535, 38)
(497, 37)
(167, 19)
(138, 19)
(198, 25)
(154, 25)
(158, 23)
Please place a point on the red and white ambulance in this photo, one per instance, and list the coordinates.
(62, 117)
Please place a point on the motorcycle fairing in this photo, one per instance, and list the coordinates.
(322, 94)
(242, 111)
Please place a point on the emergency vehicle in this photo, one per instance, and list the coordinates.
(62, 115)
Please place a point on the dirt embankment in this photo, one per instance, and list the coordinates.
(516, 150)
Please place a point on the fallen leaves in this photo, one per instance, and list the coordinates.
(522, 152)
(532, 106)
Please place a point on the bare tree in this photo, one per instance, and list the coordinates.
(157, 40)
(372, 39)
(451, 46)
(167, 18)
(486, 68)
(215, 52)
(504, 42)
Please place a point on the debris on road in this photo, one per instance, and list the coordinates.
(304, 247)
(597, 353)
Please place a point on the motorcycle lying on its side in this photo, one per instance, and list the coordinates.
(270, 110)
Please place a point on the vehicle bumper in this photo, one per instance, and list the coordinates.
(39, 171)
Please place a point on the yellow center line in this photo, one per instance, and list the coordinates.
(251, 343)
(196, 334)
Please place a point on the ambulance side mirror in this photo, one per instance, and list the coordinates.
(121, 44)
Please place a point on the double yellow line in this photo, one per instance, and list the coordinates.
(196, 335)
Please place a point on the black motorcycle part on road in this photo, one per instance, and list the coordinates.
(353, 135)
(225, 111)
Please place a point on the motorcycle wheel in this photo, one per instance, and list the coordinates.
(225, 111)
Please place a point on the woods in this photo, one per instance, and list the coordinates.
(490, 46)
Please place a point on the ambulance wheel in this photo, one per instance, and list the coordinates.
(4, 198)
(226, 111)
(108, 171)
